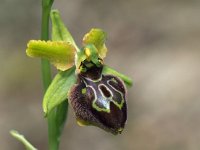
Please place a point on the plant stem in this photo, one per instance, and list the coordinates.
(46, 69)
(53, 142)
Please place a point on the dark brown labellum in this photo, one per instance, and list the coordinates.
(99, 100)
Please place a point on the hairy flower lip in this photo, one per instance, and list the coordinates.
(94, 106)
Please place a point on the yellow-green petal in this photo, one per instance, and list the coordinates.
(97, 37)
(60, 54)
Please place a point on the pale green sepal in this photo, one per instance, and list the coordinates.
(59, 30)
(58, 89)
(22, 139)
(60, 54)
(107, 70)
(97, 37)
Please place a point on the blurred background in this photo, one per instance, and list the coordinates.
(155, 42)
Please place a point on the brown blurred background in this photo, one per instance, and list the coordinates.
(156, 42)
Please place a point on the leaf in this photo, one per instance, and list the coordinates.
(60, 54)
(61, 115)
(22, 139)
(58, 89)
(59, 30)
(57, 118)
(107, 70)
(97, 37)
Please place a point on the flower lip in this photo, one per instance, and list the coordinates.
(98, 101)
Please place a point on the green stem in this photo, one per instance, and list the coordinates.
(53, 142)
(46, 68)
(52, 131)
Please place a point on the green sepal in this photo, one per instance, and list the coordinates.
(23, 140)
(58, 89)
(107, 70)
(97, 37)
(59, 30)
(60, 54)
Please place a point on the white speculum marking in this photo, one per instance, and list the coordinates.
(101, 97)
(122, 95)
(108, 90)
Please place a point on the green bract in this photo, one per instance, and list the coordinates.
(83, 64)
(58, 89)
